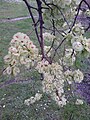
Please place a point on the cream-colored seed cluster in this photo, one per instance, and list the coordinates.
(74, 76)
(33, 99)
(78, 41)
(81, 43)
(22, 51)
(53, 82)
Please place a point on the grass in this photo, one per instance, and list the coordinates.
(12, 97)
(12, 10)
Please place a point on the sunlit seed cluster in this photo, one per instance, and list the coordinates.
(53, 82)
(22, 51)
(80, 43)
(74, 76)
(33, 99)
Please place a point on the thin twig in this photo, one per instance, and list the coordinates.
(58, 47)
(78, 9)
(29, 9)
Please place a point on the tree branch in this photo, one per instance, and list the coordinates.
(39, 4)
(78, 9)
(29, 9)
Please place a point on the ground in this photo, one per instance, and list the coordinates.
(13, 91)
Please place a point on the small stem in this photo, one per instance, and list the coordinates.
(53, 23)
(29, 9)
(76, 15)
(86, 3)
(58, 47)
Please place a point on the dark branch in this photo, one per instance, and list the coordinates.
(29, 9)
(39, 4)
(78, 9)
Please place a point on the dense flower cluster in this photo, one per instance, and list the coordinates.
(80, 43)
(53, 82)
(74, 76)
(32, 99)
(22, 51)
